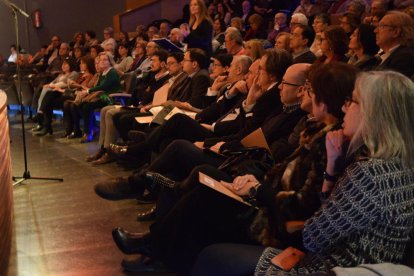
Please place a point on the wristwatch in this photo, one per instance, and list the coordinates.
(253, 190)
(331, 178)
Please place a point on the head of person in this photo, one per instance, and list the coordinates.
(151, 48)
(246, 7)
(78, 52)
(159, 61)
(89, 35)
(123, 50)
(410, 11)
(221, 9)
(164, 29)
(194, 60)
(198, 11)
(64, 49)
(95, 50)
(380, 113)
(321, 22)
(123, 37)
(298, 18)
(13, 49)
(68, 65)
(331, 85)
(293, 80)
(280, 19)
(176, 36)
(140, 48)
(349, 22)
(282, 41)
(239, 68)
(152, 31)
(302, 37)
(174, 63)
(105, 61)
(233, 41)
(87, 64)
(254, 49)
(220, 65)
(97, 66)
(334, 41)
(79, 38)
(255, 21)
(273, 66)
(393, 29)
(237, 22)
(108, 33)
(378, 8)
(363, 39)
(55, 41)
(356, 7)
(219, 25)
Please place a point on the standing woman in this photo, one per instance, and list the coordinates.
(98, 96)
(199, 34)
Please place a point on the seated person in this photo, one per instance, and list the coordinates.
(98, 96)
(369, 215)
(87, 79)
(290, 190)
(158, 77)
(59, 83)
(125, 60)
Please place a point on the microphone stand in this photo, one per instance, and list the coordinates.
(26, 175)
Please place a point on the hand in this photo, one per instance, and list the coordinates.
(239, 87)
(199, 144)
(241, 185)
(52, 86)
(255, 92)
(333, 144)
(206, 126)
(216, 147)
(218, 83)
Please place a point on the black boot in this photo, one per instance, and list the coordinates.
(47, 127)
(39, 119)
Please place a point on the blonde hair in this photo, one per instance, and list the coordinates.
(203, 13)
(110, 58)
(387, 107)
(257, 49)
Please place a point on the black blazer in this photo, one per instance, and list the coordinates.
(307, 57)
(199, 84)
(400, 60)
(201, 37)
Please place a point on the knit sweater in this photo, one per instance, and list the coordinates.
(369, 218)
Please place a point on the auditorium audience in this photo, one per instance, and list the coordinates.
(283, 41)
(363, 46)
(301, 39)
(334, 45)
(254, 49)
(320, 23)
(279, 25)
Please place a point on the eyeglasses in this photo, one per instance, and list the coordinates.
(349, 101)
(283, 82)
(171, 63)
(307, 88)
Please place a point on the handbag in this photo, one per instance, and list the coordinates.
(92, 97)
(255, 160)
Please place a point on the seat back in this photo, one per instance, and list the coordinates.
(129, 81)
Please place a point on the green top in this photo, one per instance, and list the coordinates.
(108, 84)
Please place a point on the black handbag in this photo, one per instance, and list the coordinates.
(256, 161)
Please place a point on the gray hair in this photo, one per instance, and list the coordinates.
(387, 107)
(235, 35)
(406, 24)
(301, 18)
(244, 62)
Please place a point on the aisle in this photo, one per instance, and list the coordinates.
(63, 228)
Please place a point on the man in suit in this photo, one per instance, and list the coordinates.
(300, 41)
(394, 35)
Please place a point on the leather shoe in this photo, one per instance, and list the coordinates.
(105, 159)
(130, 243)
(148, 198)
(148, 215)
(96, 155)
(158, 180)
(117, 189)
(117, 149)
(74, 135)
(138, 264)
(37, 128)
